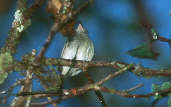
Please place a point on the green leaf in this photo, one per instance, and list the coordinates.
(3, 76)
(169, 43)
(156, 88)
(166, 85)
(170, 12)
(143, 51)
(5, 60)
(169, 102)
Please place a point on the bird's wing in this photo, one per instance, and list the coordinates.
(70, 49)
(69, 52)
(85, 50)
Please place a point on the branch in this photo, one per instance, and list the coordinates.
(96, 86)
(19, 24)
(36, 5)
(137, 69)
(103, 89)
(26, 87)
(75, 92)
(127, 95)
(10, 89)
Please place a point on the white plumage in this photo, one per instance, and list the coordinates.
(79, 47)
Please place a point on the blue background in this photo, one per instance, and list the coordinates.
(110, 24)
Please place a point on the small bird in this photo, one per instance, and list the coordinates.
(77, 47)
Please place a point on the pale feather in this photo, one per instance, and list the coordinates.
(69, 52)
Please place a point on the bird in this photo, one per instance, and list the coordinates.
(77, 47)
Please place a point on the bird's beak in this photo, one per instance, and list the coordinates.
(80, 28)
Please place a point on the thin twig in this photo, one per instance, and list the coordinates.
(134, 88)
